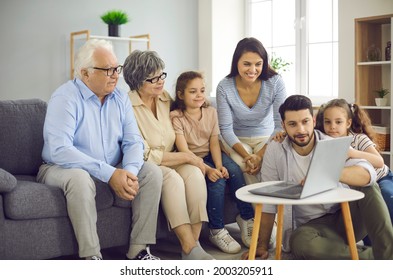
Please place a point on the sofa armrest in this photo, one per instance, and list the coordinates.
(7, 181)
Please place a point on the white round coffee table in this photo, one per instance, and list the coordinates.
(337, 195)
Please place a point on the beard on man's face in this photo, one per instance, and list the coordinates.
(301, 140)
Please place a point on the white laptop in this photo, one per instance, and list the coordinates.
(323, 172)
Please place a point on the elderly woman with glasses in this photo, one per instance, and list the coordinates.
(184, 193)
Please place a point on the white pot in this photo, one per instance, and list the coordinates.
(381, 101)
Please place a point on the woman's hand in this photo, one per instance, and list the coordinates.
(197, 161)
(253, 164)
(280, 136)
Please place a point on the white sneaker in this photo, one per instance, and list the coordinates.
(225, 242)
(245, 229)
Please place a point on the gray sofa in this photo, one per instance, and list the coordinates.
(33, 217)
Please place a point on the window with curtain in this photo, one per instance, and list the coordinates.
(303, 33)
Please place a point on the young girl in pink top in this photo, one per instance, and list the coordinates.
(197, 131)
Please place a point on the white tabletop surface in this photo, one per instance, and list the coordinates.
(336, 195)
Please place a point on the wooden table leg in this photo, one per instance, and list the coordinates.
(349, 230)
(280, 222)
(255, 232)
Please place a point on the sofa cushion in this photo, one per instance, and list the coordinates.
(32, 200)
(21, 135)
(7, 181)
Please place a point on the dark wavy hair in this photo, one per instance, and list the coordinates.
(181, 85)
(251, 44)
(295, 102)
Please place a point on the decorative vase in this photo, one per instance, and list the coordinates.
(387, 51)
(381, 101)
(373, 53)
(113, 30)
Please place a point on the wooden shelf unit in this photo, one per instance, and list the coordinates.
(373, 75)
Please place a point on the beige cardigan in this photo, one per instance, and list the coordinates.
(158, 134)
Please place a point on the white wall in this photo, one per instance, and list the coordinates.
(35, 38)
(221, 26)
(205, 42)
(348, 11)
(188, 34)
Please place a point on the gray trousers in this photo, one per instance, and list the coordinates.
(325, 237)
(80, 190)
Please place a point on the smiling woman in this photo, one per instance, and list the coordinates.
(248, 99)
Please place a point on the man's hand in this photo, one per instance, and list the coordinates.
(124, 184)
(260, 252)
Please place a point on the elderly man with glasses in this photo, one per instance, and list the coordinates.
(90, 134)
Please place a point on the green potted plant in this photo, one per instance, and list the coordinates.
(278, 64)
(114, 18)
(381, 100)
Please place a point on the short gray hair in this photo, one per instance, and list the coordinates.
(139, 65)
(84, 57)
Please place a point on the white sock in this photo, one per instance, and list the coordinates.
(197, 253)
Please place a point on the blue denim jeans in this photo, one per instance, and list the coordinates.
(216, 192)
(386, 186)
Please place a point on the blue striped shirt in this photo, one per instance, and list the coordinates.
(79, 132)
(236, 119)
